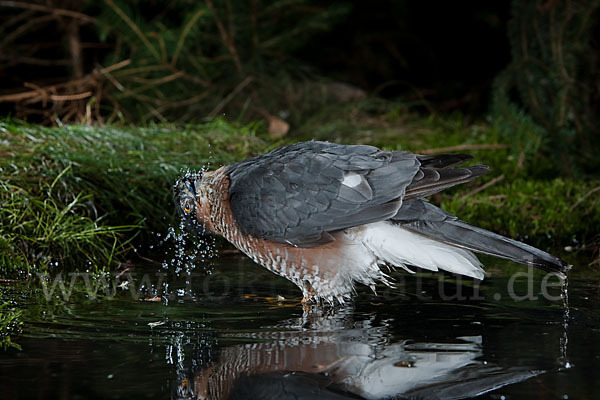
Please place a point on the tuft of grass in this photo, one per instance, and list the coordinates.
(77, 195)
(40, 229)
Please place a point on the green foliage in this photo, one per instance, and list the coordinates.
(547, 99)
(10, 323)
(40, 229)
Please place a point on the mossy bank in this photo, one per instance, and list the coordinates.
(83, 197)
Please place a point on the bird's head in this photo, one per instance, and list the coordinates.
(191, 200)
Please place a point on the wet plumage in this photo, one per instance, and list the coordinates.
(325, 215)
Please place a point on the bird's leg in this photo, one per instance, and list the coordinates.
(305, 306)
(308, 291)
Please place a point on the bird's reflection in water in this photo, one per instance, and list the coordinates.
(328, 355)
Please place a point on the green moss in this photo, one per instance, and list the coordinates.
(557, 208)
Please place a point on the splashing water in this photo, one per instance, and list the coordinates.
(564, 340)
(187, 258)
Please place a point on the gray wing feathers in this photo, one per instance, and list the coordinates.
(443, 160)
(299, 192)
(437, 174)
(359, 193)
(424, 218)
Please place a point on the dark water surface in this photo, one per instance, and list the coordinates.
(230, 335)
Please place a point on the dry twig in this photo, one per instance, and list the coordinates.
(50, 10)
(231, 95)
(225, 37)
(65, 97)
(186, 31)
(133, 27)
(491, 146)
(585, 196)
(483, 187)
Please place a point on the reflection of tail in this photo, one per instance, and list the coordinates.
(286, 386)
(472, 381)
(461, 234)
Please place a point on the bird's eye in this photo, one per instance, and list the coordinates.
(187, 207)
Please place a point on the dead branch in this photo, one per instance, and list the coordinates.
(41, 94)
(50, 10)
(106, 72)
(158, 81)
(483, 187)
(225, 37)
(18, 96)
(71, 97)
(184, 33)
(65, 98)
(585, 196)
(22, 29)
(116, 66)
(133, 27)
(175, 104)
(33, 61)
(231, 95)
(45, 92)
(491, 146)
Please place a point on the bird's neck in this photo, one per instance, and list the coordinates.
(217, 209)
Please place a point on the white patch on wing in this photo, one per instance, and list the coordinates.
(355, 189)
(397, 246)
(352, 180)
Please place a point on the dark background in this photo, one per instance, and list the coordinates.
(446, 52)
(532, 67)
(449, 52)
